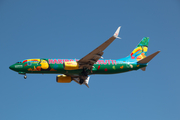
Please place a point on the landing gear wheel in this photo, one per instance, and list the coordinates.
(25, 77)
(84, 72)
(81, 81)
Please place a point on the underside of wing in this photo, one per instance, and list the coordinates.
(91, 58)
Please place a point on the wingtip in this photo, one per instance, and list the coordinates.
(117, 32)
(157, 52)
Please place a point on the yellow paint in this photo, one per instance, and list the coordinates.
(63, 79)
(44, 64)
(122, 67)
(114, 67)
(140, 57)
(35, 60)
(137, 49)
(145, 49)
(71, 65)
(137, 65)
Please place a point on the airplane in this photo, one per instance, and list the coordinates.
(78, 70)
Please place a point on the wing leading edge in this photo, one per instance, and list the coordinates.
(90, 59)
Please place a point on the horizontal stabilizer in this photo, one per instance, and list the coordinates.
(148, 58)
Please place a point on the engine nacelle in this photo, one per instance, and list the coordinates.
(71, 65)
(63, 79)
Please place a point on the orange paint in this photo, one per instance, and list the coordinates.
(38, 68)
(53, 69)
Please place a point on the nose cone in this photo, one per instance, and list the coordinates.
(12, 67)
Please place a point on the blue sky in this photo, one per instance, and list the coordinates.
(72, 29)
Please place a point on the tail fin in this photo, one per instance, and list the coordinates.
(141, 50)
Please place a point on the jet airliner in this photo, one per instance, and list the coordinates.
(78, 70)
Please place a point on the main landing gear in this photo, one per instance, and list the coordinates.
(81, 81)
(85, 72)
(84, 75)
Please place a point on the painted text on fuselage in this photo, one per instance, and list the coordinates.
(61, 61)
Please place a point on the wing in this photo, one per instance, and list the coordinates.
(91, 58)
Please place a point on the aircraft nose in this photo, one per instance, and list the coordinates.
(11, 67)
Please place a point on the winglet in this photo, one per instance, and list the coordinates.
(117, 32)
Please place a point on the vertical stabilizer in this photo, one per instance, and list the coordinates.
(141, 50)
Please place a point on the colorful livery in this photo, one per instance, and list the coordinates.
(78, 70)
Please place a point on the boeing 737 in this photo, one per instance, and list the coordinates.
(78, 70)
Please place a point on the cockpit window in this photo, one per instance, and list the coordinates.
(18, 62)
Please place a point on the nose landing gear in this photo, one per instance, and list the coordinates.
(25, 76)
(23, 73)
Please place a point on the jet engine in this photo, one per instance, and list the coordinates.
(71, 65)
(63, 79)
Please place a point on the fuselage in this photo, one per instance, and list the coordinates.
(55, 66)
